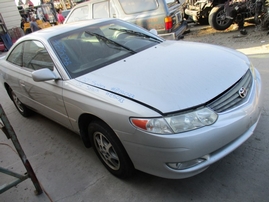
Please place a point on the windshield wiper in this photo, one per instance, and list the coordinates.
(110, 41)
(132, 32)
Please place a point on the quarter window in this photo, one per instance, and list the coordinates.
(138, 6)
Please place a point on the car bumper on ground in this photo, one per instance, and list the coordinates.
(200, 148)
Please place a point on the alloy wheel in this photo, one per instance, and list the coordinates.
(106, 151)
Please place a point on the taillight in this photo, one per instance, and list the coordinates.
(168, 23)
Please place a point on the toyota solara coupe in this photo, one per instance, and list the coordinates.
(142, 103)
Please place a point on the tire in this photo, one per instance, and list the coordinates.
(110, 150)
(217, 18)
(23, 110)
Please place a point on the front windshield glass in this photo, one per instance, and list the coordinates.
(89, 48)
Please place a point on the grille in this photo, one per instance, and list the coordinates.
(231, 98)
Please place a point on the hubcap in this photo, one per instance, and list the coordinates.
(106, 151)
(221, 18)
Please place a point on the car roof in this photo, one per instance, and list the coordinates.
(59, 29)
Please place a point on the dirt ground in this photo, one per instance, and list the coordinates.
(230, 37)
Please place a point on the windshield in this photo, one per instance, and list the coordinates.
(92, 47)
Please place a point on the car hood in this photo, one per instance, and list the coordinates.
(173, 75)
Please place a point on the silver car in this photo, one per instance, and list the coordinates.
(161, 107)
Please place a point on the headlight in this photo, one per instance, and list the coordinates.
(177, 123)
(153, 125)
(192, 120)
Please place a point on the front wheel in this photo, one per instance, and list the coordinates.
(110, 150)
(217, 18)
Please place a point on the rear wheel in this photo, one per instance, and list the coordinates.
(217, 18)
(24, 111)
(110, 150)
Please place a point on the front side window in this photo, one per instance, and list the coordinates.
(41, 60)
(31, 55)
(35, 56)
(138, 6)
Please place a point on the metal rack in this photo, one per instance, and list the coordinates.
(6, 127)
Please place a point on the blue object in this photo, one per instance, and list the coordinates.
(7, 40)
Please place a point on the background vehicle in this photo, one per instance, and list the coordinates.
(65, 13)
(166, 16)
(223, 15)
(198, 10)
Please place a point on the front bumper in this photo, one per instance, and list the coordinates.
(150, 153)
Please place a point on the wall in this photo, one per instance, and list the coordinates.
(10, 13)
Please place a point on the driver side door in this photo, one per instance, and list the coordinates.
(44, 97)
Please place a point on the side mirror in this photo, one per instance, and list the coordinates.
(44, 75)
(153, 31)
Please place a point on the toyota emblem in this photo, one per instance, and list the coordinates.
(242, 92)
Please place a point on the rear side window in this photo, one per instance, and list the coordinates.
(138, 6)
(16, 56)
(81, 13)
(101, 10)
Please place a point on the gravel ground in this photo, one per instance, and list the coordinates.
(230, 37)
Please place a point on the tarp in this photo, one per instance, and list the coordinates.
(7, 40)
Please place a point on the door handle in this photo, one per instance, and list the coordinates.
(22, 83)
